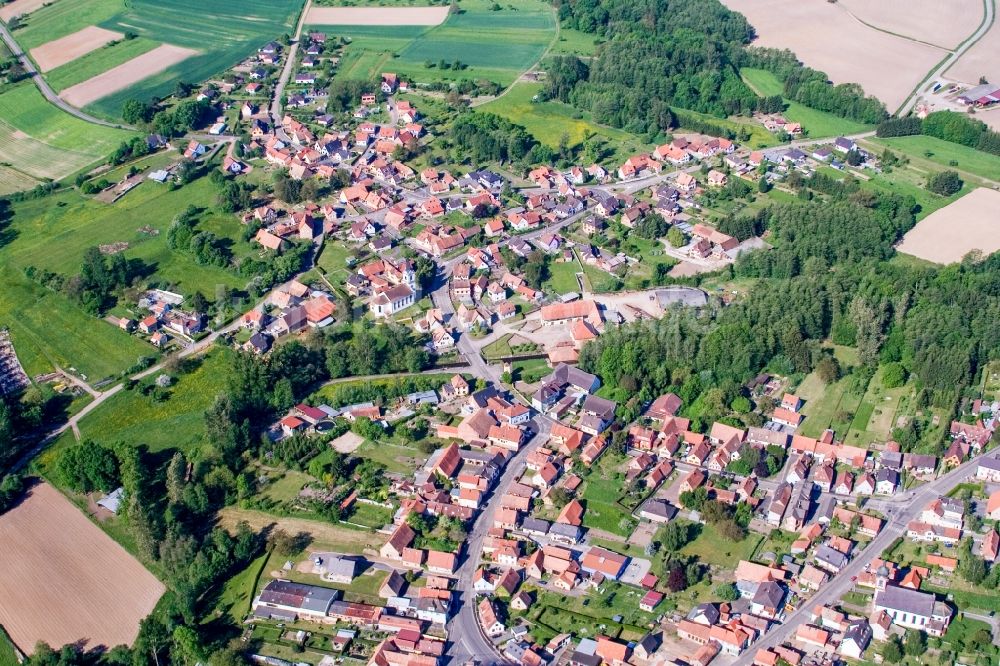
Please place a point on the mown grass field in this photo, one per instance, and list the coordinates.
(494, 45)
(552, 122)
(39, 140)
(53, 233)
(48, 328)
(817, 124)
(176, 423)
(932, 153)
(12, 180)
(96, 62)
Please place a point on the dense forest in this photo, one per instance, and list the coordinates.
(828, 277)
(662, 55)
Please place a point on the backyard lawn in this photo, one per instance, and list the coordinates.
(711, 548)
(604, 485)
(562, 278)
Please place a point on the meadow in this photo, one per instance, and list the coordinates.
(495, 45)
(817, 124)
(47, 328)
(41, 141)
(931, 152)
(178, 422)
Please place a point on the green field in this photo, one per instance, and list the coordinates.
(236, 595)
(175, 423)
(816, 124)
(574, 42)
(48, 328)
(96, 62)
(562, 278)
(62, 18)
(42, 141)
(713, 549)
(551, 122)
(493, 45)
(225, 32)
(54, 233)
(929, 152)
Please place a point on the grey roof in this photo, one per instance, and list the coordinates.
(886, 474)
(601, 407)
(769, 595)
(990, 462)
(567, 531)
(568, 374)
(709, 611)
(919, 460)
(536, 525)
(906, 600)
(860, 632)
(112, 502)
(298, 595)
(891, 459)
(831, 556)
(585, 659)
(660, 508)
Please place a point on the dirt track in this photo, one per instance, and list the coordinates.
(948, 234)
(66, 49)
(377, 15)
(63, 580)
(126, 74)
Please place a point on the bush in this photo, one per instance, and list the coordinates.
(944, 183)
(893, 375)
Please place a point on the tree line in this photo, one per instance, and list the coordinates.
(947, 126)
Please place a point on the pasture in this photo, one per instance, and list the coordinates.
(48, 328)
(178, 422)
(950, 233)
(495, 45)
(42, 141)
(377, 15)
(929, 151)
(817, 124)
(827, 38)
(553, 122)
(64, 580)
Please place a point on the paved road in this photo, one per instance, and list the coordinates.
(946, 64)
(468, 642)
(286, 72)
(44, 87)
(898, 517)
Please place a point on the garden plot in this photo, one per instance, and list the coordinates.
(127, 74)
(66, 49)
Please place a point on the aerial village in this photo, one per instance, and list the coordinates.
(524, 449)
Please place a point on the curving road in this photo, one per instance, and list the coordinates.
(988, 16)
(45, 89)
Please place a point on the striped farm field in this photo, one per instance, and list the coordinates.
(126, 74)
(495, 45)
(96, 62)
(223, 32)
(66, 49)
(44, 142)
(12, 180)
